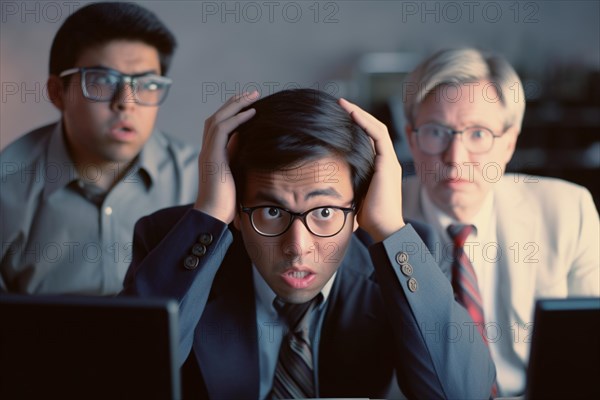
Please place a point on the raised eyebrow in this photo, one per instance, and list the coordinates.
(270, 198)
(279, 202)
(329, 192)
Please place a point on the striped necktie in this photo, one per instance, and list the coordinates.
(464, 281)
(294, 377)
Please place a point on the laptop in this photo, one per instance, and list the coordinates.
(65, 347)
(564, 361)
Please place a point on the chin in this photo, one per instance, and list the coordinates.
(297, 297)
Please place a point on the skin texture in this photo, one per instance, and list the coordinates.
(94, 129)
(298, 250)
(457, 181)
(323, 182)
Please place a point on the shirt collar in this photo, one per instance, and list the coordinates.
(266, 295)
(152, 156)
(60, 169)
(440, 220)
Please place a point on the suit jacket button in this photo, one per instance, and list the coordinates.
(406, 269)
(413, 285)
(205, 239)
(199, 250)
(191, 262)
(401, 258)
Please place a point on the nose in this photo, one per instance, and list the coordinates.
(124, 98)
(298, 241)
(456, 151)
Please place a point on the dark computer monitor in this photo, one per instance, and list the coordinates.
(57, 347)
(564, 361)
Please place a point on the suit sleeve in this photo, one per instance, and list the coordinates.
(163, 265)
(439, 352)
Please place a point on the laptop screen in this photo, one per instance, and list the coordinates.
(564, 361)
(88, 348)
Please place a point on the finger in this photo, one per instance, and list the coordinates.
(233, 105)
(232, 145)
(376, 129)
(220, 133)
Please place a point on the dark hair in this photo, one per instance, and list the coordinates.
(294, 126)
(100, 23)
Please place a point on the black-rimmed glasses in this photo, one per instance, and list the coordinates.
(324, 221)
(434, 139)
(102, 84)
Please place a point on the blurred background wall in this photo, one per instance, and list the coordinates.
(357, 49)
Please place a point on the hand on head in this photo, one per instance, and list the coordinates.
(381, 211)
(216, 189)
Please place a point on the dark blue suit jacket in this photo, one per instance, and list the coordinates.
(375, 323)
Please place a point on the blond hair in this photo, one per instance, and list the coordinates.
(461, 66)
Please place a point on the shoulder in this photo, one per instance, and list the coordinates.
(27, 147)
(543, 189)
(180, 150)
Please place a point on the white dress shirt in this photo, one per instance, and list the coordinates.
(482, 248)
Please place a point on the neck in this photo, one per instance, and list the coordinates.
(462, 214)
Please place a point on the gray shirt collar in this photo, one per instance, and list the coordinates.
(60, 169)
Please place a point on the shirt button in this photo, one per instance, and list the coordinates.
(108, 210)
(413, 286)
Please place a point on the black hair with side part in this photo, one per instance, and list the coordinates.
(295, 126)
(100, 23)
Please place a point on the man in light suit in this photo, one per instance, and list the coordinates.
(277, 227)
(534, 237)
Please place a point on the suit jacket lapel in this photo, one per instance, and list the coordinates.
(516, 234)
(226, 343)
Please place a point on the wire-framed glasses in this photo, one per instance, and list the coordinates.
(434, 139)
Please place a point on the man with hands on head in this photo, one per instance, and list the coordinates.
(285, 181)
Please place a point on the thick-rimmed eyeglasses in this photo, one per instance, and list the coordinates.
(103, 84)
(324, 221)
(434, 139)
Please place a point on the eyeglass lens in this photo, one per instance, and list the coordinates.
(102, 85)
(324, 221)
(435, 139)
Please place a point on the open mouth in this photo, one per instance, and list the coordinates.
(122, 132)
(298, 278)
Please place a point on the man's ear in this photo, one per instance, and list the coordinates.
(56, 92)
(355, 223)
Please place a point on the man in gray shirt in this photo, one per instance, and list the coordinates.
(73, 190)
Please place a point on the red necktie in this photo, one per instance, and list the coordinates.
(464, 281)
